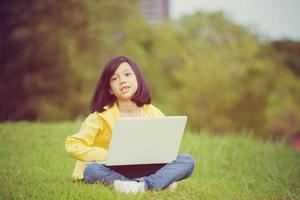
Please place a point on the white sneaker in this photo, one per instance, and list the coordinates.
(172, 186)
(129, 186)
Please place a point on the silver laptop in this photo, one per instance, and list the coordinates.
(147, 140)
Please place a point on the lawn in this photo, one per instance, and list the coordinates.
(34, 165)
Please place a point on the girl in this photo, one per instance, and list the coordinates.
(121, 92)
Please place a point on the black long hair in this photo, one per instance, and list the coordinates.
(102, 97)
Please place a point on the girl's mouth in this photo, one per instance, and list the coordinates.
(124, 89)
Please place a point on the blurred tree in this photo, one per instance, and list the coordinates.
(289, 53)
(228, 79)
(283, 110)
(37, 80)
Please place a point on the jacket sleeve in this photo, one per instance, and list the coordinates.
(156, 112)
(79, 145)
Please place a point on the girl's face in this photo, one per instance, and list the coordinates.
(123, 83)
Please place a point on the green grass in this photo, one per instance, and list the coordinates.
(34, 165)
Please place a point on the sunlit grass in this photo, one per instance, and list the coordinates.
(34, 165)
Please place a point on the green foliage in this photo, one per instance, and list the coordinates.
(205, 66)
(36, 78)
(35, 165)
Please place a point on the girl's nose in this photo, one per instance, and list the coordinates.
(122, 81)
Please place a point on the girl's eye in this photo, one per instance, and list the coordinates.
(128, 74)
(113, 79)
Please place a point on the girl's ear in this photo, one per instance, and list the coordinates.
(111, 92)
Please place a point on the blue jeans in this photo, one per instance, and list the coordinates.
(179, 169)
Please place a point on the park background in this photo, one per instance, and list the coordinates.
(238, 87)
(220, 74)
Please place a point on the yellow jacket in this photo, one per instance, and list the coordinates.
(92, 141)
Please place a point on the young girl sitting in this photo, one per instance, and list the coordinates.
(121, 92)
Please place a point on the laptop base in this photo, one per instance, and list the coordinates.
(136, 171)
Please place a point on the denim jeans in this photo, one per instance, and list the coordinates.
(179, 169)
